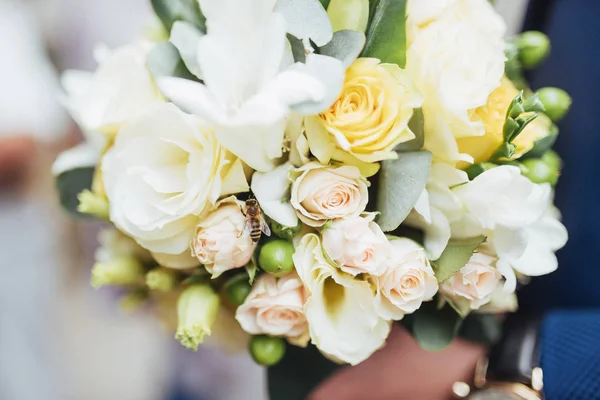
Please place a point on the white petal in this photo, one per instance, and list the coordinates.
(306, 19)
(192, 97)
(82, 156)
(271, 189)
(179, 261)
(186, 37)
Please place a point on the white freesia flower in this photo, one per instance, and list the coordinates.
(342, 317)
(407, 282)
(456, 58)
(165, 169)
(248, 88)
(120, 90)
(275, 307)
(357, 245)
(272, 190)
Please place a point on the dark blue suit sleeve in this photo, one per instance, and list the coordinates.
(571, 355)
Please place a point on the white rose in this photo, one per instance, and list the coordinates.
(275, 307)
(357, 245)
(342, 319)
(120, 90)
(321, 193)
(407, 282)
(219, 241)
(165, 169)
(456, 61)
(476, 282)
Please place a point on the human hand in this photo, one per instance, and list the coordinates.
(16, 154)
(404, 371)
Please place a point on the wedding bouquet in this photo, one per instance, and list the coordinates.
(303, 173)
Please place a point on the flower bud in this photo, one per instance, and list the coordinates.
(91, 203)
(285, 232)
(161, 280)
(539, 171)
(275, 257)
(266, 350)
(534, 48)
(133, 301)
(553, 160)
(556, 101)
(120, 271)
(238, 289)
(197, 310)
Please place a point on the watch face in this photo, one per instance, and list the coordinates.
(492, 394)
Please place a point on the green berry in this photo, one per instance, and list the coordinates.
(267, 350)
(556, 101)
(553, 160)
(238, 289)
(534, 48)
(540, 172)
(285, 232)
(275, 257)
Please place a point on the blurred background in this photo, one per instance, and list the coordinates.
(59, 339)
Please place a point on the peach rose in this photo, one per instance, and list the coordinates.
(276, 307)
(407, 282)
(219, 242)
(476, 282)
(321, 193)
(357, 245)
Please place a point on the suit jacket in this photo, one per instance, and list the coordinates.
(571, 336)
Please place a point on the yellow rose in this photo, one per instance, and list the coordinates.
(493, 115)
(369, 119)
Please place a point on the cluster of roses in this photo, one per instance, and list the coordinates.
(175, 157)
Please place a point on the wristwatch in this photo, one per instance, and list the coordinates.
(511, 371)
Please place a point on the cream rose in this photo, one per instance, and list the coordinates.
(407, 282)
(219, 241)
(164, 171)
(371, 116)
(121, 90)
(321, 193)
(456, 58)
(357, 245)
(275, 307)
(475, 283)
(342, 318)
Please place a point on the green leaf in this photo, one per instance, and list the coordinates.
(251, 270)
(541, 146)
(482, 328)
(306, 19)
(345, 46)
(456, 256)
(298, 50)
(170, 11)
(401, 183)
(325, 3)
(417, 126)
(186, 37)
(164, 60)
(299, 373)
(70, 183)
(386, 35)
(435, 329)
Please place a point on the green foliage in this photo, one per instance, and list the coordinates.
(477, 169)
(298, 373)
(456, 256)
(401, 182)
(485, 329)
(70, 184)
(325, 3)
(417, 126)
(170, 11)
(433, 328)
(386, 34)
(346, 46)
(298, 50)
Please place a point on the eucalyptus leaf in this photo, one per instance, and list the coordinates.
(456, 256)
(170, 11)
(346, 46)
(298, 50)
(325, 3)
(70, 183)
(386, 34)
(299, 373)
(435, 329)
(164, 61)
(306, 20)
(400, 184)
(482, 328)
(417, 126)
(186, 38)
